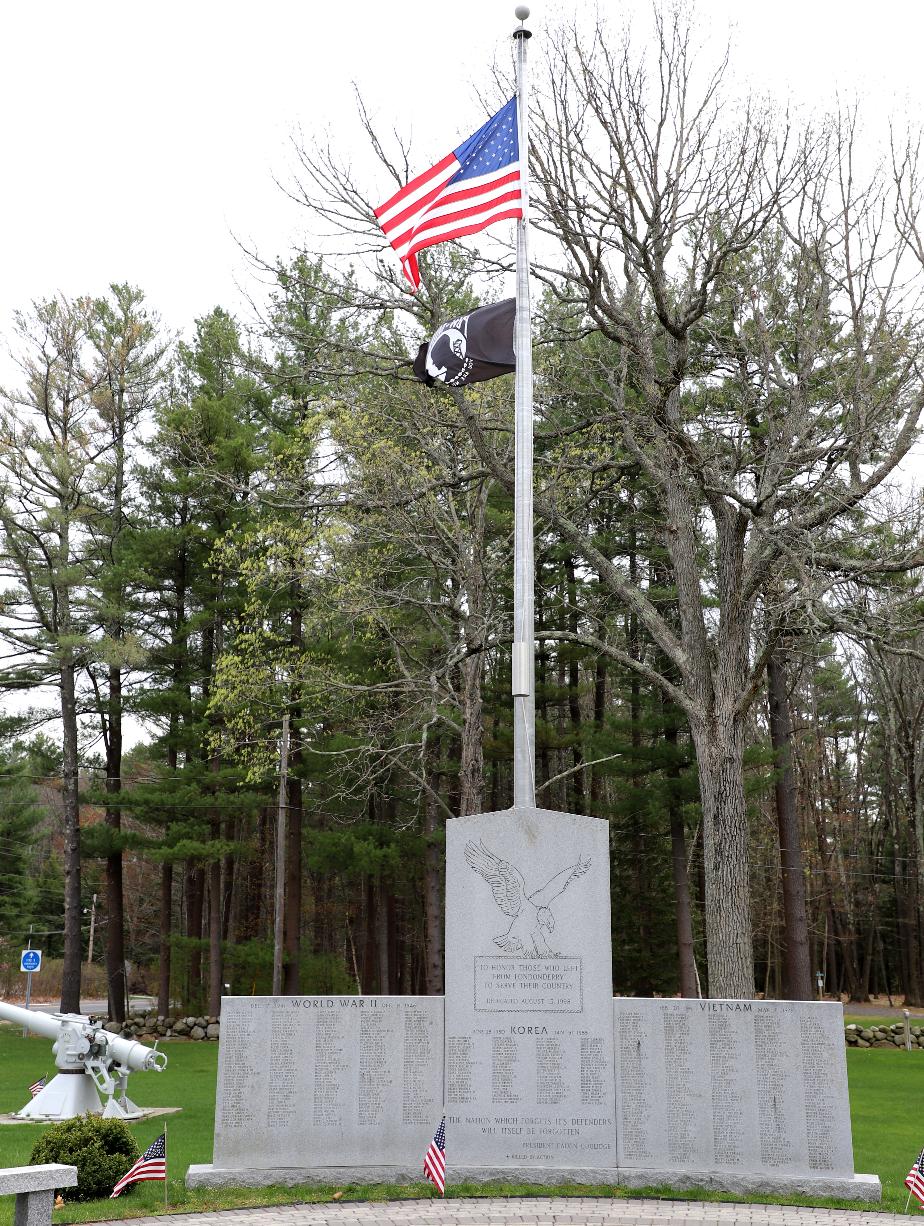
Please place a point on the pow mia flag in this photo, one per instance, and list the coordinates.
(470, 349)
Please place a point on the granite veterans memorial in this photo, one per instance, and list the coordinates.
(544, 1078)
(541, 1075)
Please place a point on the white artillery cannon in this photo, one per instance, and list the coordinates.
(89, 1060)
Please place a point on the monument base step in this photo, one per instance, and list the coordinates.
(206, 1175)
(839, 1187)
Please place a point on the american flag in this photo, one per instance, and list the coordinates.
(151, 1165)
(435, 1159)
(38, 1085)
(914, 1180)
(466, 191)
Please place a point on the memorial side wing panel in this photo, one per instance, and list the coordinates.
(328, 1081)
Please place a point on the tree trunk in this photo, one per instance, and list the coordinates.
(370, 936)
(73, 950)
(292, 926)
(292, 916)
(215, 961)
(383, 937)
(115, 912)
(597, 776)
(574, 693)
(471, 759)
(683, 909)
(166, 924)
(433, 896)
(215, 965)
(195, 900)
(797, 969)
(543, 769)
(720, 758)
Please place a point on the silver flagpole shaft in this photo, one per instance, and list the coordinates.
(524, 650)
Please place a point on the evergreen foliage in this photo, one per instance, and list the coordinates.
(102, 1151)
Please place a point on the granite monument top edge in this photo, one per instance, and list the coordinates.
(529, 811)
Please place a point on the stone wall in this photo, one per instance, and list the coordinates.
(146, 1027)
(883, 1036)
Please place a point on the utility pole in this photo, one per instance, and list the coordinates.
(28, 981)
(280, 857)
(92, 930)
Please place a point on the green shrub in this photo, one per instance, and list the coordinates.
(102, 1151)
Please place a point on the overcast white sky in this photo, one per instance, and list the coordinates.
(138, 138)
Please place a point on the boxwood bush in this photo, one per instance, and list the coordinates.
(102, 1151)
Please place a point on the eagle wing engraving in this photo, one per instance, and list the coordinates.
(559, 883)
(506, 882)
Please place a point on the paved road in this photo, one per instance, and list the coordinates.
(89, 1005)
(531, 1211)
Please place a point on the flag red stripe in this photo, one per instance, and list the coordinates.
(443, 201)
(416, 208)
(915, 1183)
(435, 1175)
(410, 188)
(462, 231)
(447, 208)
(437, 207)
(155, 1168)
(467, 191)
(461, 215)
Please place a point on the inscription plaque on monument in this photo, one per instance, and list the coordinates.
(529, 1034)
(734, 1086)
(328, 1081)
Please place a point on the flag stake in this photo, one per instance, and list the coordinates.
(914, 1181)
(524, 639)
(166, 1179)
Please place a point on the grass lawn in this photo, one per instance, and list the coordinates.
(886, 1095)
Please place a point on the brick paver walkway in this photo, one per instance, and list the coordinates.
(532, 1211)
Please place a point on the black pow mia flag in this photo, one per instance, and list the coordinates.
(470, 349)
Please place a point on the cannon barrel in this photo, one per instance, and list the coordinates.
(46, 1024)
(128, 1052)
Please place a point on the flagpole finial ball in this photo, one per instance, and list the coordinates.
(521, 12)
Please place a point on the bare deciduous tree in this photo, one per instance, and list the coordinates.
(759, 303)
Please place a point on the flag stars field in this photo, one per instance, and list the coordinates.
(466, 191)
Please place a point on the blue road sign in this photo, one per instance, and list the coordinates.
(30, 960)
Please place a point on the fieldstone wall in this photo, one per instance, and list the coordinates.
(883, 1036)
(146, 1027)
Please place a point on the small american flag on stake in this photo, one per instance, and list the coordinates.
(435, 1159)
(151, 1165)
(914, 1180)
(38, 1085)
(466, 191)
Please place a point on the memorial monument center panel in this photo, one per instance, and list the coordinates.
(529, 1030)
(315, 1081)
(732, 1085)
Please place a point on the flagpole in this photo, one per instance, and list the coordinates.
(524, 640)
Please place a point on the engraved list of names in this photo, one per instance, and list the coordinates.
(314, 1080)
(732, 1085)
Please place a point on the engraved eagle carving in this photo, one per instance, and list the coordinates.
(531, 919)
